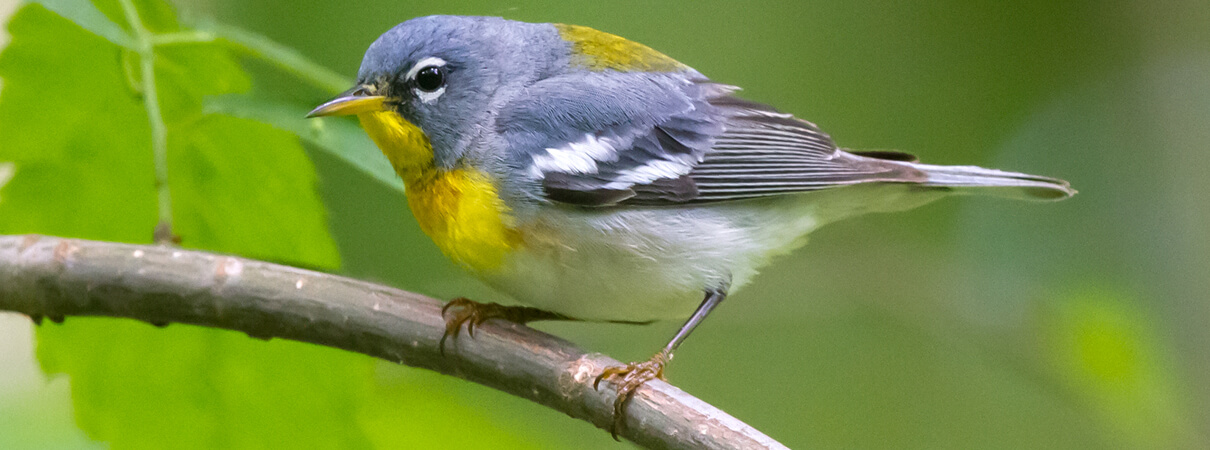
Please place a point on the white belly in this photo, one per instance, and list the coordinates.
(645, 264)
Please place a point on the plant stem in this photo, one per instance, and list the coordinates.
(182, 37)
(159, 131)
(284, 58)
(259, 46)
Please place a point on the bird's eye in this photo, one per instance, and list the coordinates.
(430, 79)
(427, 79)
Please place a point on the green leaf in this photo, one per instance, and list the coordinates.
(87, 16)
(187, 74)
(76, 129)
(244, 187)
(182, 387)
(84, 150)
(157, 15)
(82, 145)
(340, 137)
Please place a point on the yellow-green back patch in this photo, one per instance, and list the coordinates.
(598, 50)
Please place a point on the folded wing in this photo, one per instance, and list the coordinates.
(637, 139)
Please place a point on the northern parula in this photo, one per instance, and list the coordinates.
(594, 178)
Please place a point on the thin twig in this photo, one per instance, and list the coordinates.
(55, 277)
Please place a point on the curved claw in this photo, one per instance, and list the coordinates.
(467, 310)
(461, 311)
(471, 323)
(633, 376)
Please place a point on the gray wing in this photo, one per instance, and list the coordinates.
(763, 152)
(640, 139)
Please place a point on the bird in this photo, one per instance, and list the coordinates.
(593, 178)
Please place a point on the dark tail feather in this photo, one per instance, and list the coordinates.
(977, 180)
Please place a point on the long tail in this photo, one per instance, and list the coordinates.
(977, 180)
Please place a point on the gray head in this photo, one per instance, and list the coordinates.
(442, 73)
(449, 76)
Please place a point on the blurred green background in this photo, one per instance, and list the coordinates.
(968, 323)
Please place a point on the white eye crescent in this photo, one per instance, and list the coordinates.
(427, 78)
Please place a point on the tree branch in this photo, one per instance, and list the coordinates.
(55, 277)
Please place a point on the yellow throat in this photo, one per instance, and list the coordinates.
(458, 209)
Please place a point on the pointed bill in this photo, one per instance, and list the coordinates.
(353, 101)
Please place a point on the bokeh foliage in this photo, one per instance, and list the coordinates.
(969, 323)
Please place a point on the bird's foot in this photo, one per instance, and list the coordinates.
(462, 310)
(628, 379)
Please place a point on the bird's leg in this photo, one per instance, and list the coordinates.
(462, 310)
(630, 377)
